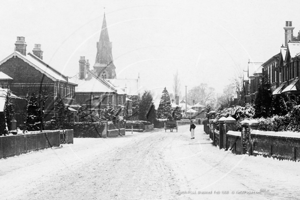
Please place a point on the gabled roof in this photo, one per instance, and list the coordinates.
(283, 52)
(39, 65)
(293, 49)
(254, 68)
(92, 85)
(91, 74)
(130, 85)
(275, 57)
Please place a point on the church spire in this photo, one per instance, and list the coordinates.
(104, 31)
(104, 58)
(104, 53)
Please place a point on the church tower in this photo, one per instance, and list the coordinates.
(104, 66)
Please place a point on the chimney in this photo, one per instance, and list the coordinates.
(288, 30)
(37, 51)
(87, 65)
(82, 64)
(21, 45)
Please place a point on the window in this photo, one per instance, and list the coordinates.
(113, 100)
(69, 92)
(271, 74)
(280, 78)
(295, 69)
(103, 75)
(55, 91)
(297, 65)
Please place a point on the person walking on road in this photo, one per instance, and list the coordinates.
(192, 129)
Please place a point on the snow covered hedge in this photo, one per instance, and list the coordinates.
(288, 122)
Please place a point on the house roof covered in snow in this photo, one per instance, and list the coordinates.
(39, 65)
(93, 85)
(294, 49)
(130, 86)
(254, 68)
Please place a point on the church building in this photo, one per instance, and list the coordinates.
(101, 81)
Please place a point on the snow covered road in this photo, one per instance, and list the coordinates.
(154, 165)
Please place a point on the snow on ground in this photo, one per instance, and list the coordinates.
(152, 165)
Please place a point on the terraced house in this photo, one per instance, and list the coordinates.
(282, 70)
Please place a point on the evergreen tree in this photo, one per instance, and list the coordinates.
(176, 113)
(60, 111)
(151, 114)
(144, 104)
(278, 105)
(164, 110)
(35, 108)
(262, 103)
(9, 110)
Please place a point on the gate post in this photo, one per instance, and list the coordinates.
(221, 134)
(247, 143)
(229, 122)
(244, 135)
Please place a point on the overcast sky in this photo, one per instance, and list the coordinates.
(205, 41)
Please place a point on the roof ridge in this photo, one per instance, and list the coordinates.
(41, 61)
(109, 85)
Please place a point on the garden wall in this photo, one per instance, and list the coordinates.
(149, 127)
(139, 126)
(116, 129)
(12, 145)
(159, 124)
(135, 127)
(282, 145)
(87, 129)
(67, 136)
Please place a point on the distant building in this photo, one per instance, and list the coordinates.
(104, 66)
(27, 73)
(96, 93)
(101, 81)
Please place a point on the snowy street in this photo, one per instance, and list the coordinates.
(151, 165)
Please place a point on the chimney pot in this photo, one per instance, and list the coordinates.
(20, 45)
(82, 70)
(37, 51)
(288, 29)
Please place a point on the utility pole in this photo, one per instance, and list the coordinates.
(185, 98)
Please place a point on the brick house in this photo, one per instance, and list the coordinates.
(94, 92)
(30, 74)
(282, 69)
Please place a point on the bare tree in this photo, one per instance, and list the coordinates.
(202, 94)
(229, 92)
(177, 85)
